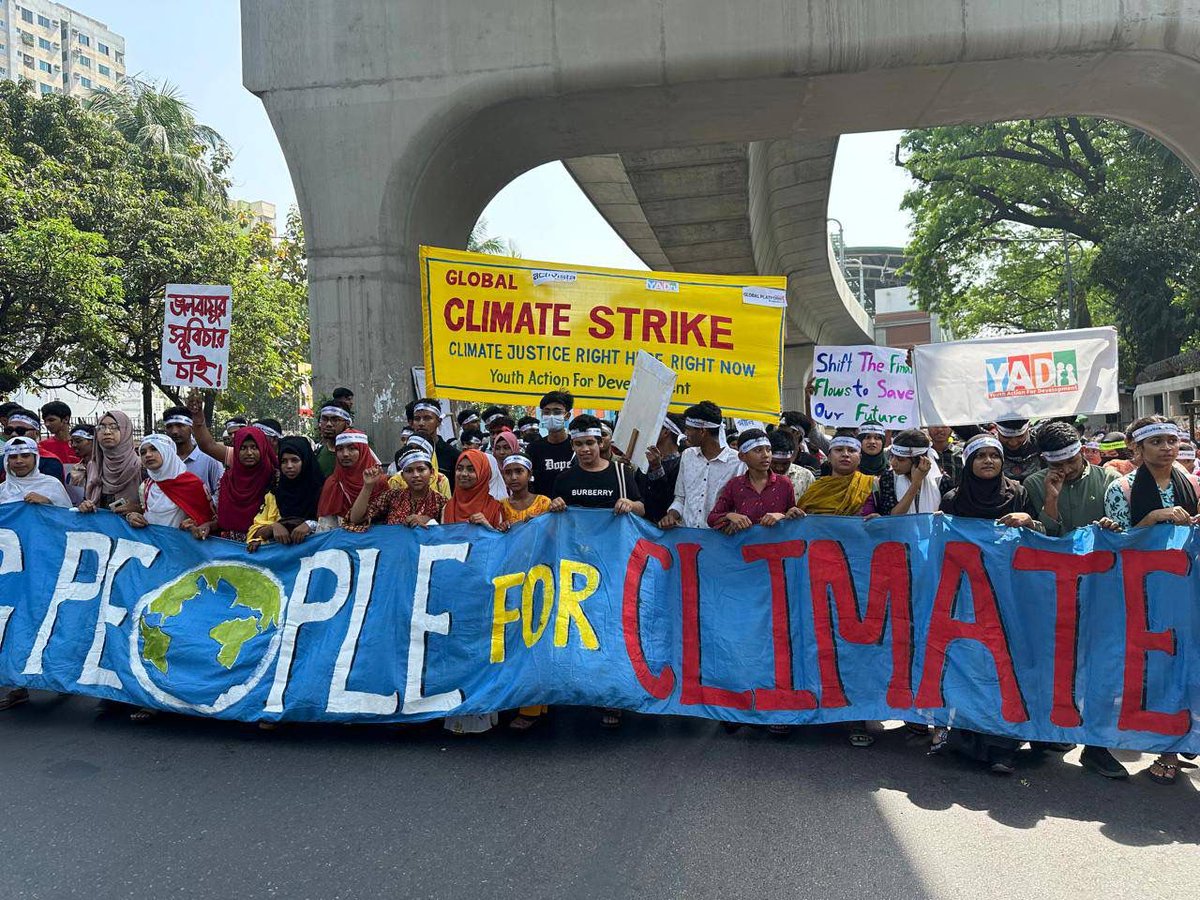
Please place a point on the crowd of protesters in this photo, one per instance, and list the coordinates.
(255, 485)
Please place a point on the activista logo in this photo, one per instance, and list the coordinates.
(1053, 372)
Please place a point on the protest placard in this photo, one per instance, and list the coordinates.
(645, 407)
(856, 383)
(1018, 376)
(197, 322)
(509, 330)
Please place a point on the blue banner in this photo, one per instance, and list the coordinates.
(1093, 638)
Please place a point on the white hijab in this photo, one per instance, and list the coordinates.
(159, 508)
(14, 489)
(929, 498)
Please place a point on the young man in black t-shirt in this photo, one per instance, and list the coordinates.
(552, 454)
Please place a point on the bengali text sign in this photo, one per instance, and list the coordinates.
(196, 335)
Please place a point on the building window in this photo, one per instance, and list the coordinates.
(27, 16)
(3, 71)
(44, 44)
(105, 71)
(28, 60)
(86, 82)
(85, 41)
(103, 48)
(43, 21)
(85, 62)
(44, 66)
(46, 89)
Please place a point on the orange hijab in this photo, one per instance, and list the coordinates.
(465, 502)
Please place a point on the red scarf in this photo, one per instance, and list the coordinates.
(467, 501)
(242, 488)
(345, 484)
(188, 493)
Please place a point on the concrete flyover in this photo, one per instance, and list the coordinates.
(400, 119)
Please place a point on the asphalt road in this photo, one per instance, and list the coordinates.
(95, 807)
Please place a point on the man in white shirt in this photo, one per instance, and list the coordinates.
(705, 467)
(179, 424)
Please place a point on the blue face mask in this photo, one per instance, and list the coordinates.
(554, 423)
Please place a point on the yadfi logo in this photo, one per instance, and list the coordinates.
(1052, 372)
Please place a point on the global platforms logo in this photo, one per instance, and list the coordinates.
(1053, 372)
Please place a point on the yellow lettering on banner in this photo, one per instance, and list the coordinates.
(542, 575)
(570, 603)
(502, 616)
(509, 330)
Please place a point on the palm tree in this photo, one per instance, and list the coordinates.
(157, 118)
(481, 242)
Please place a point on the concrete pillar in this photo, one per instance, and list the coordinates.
(797, 367)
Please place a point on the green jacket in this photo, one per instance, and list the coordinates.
(1080, 502)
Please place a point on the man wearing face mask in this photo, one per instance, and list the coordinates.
(552, 454)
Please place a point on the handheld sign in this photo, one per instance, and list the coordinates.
(857, 383)
(1018, 376)
(197, 322)
(446, 429)
(645, 407)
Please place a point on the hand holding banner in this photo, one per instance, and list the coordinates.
(854, 384)
(644, 408)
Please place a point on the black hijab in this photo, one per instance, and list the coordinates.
(1144, 497)
(873, 465)
(297, 497)
(984, 498)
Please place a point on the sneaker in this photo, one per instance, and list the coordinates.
(1100, 761)
(13, 698)
(1003, 766)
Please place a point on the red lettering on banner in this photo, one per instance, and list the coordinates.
(601, 329)
(660, 685)
(783, 695)
(1136, 565)
(890, 590)
(693, 691)
(524, 320)
(722, 327)
(966, 559)
(502, 317)
(453, 306)
(652, 322)
(1068, 569)
(630, 313)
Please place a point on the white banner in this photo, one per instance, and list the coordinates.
(857, 383)
(446, 429)
(644, 409)
(1018, 376)
(197, 323)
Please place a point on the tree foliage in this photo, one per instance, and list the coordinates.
(94, 225)
(999, 210)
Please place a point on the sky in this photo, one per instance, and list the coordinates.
(197, 47)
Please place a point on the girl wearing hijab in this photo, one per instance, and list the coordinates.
(243, 486)
(114, 473)
(171, 495)
(986, 493)
(913, 483)
(504, 445)
(289, 513)
(352, 458)
(472, 501)
(438, 480)
(872, 460)
(23, 483)
(415, 505)
(1159, 490)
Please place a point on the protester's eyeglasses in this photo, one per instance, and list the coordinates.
(114, 428)
(16, 432)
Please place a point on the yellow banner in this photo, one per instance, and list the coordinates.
(509, 330)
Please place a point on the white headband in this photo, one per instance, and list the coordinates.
(495, 417)
(420, 442)
(473, 417)
(908, 452)
(178, 419)
(428, 407)
(1154, 429)
(754, 444)
(1063, 454)
(350, 437)
(846, 441)
(787, 456)
(691, 422)
(1092, 445)
(586, 432)
(672, 427)
(337, 412)
(1012, 432)
(80, 433)
(415, 456)
(872, 428)
(1186, 453)
(517, 459)
(532, 426)
(24, 420)
(19, 445)
(979, 442)
(267, 430)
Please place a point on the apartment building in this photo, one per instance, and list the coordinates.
(61, 50)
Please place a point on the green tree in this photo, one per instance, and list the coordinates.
(1054, 223)
(482, 242)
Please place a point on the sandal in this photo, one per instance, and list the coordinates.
(611, 719)
(860, 738)
(779, 730)
(142, 715)
(524, 723)
(941, 737)
(1167, 773)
